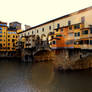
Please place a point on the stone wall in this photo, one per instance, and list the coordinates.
(44, 56)
(74, 61)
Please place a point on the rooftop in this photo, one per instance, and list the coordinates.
(65, 16)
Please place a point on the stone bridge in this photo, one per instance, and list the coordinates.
(41, 52)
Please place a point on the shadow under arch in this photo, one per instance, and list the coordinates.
(37, 40)
(41, 52)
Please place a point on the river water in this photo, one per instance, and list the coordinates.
(41, 77)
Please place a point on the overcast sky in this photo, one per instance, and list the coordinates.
(34, 12)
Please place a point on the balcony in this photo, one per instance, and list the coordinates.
(51, 33)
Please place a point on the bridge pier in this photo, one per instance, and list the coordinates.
(72, 59)
(26, 55)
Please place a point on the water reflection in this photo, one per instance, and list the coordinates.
(41, 77)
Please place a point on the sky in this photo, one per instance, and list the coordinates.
(34, 12)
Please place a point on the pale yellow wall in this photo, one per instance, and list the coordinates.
(40, 32)
(74, 18)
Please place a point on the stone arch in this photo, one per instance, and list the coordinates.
(43, 55)
(43, 37)
(38, 37)
(40, 52)
(38, 40)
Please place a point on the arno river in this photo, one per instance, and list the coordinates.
(41, 77)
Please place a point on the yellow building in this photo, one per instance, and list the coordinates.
(8, 39)
(11, 40)
(3, 33)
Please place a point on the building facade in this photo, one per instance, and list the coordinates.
(3, 33)
(70, 31)
(8, 39)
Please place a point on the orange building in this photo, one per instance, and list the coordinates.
(59, 38)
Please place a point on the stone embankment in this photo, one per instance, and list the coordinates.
(76, 62)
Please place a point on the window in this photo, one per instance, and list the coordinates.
(0, 39)
(78, 33)
(13, 36)
(0, 28)
(75, 34)
(0, 35)
(28, 33)
(49, 27)
(70, 27)
(8, 35)
(0, 45)
(8, 43)
(91, 42)
(8, 39)
(82, 19)
(32, 32)
(86, 41)
(43, 29)
(58, 25)
(13, 40)
(69, 23)
(25, 34)
(91, 30)
(9, 32)
(0, 31)
(13, 44)
(4, 24)
(76, 26)
(50, 43)
(85, 32)
(54, 42)
(61, 29)
(37, 31)
(58, 35)
(52, 37)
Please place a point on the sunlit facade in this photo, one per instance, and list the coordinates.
(8, 39)
(70, 31)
